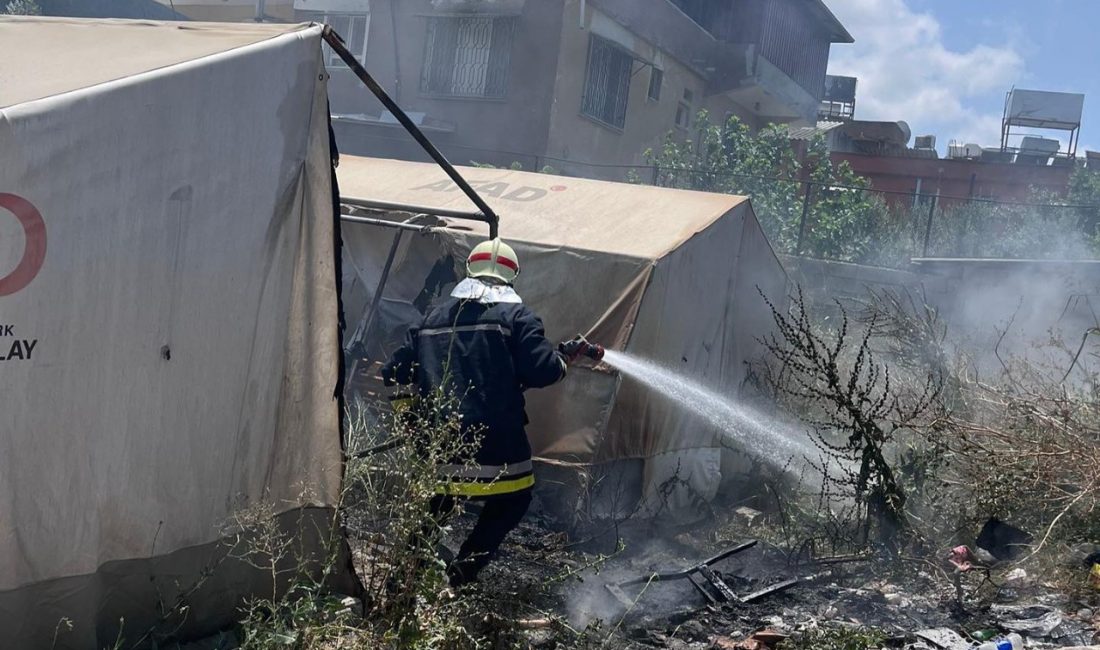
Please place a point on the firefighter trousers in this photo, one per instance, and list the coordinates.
(500, 514)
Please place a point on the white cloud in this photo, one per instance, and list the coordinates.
(907, 72)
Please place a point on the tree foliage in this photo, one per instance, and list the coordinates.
(22, 8)
(846, 220)
(842, 221)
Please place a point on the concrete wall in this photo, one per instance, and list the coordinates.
(575, 139)
(1032, 302)
(232, 11)
(1003, 181)
(823, 281)
(464, 127)
(539, 122)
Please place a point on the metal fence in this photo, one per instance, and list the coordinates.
(889, 228)
(854, 223)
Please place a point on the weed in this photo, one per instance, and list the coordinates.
(835, 639)
(384, 506)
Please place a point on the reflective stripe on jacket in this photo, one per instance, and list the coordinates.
(483, 356)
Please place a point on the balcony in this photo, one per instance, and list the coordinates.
(752, 81)
(768, 56)
(665, 26)
(781, 51)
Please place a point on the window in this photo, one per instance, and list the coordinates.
(656, 76)
(683, 110)
(467, 57)
(607, 82)
(353, 28)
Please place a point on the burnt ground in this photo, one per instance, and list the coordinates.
(548, 591)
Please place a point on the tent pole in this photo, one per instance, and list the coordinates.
(391, 206)
(337, 45)
(363, 331)
(398, 225)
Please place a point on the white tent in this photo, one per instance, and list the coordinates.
(666, 274)
(168, 315)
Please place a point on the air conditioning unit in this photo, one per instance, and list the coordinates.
(924, 142)
(961, 151)
(1039, 146)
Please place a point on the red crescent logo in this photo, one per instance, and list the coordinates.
(34, 252)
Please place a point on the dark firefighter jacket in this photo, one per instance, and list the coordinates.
(484, 356)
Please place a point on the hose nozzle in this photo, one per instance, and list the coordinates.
(578, 346)
(594, 351)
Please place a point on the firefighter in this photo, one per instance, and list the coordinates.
(485, 348)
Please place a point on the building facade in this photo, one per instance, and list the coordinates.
(953, 181)
(234, 11)
(582, 86)
(880, 152)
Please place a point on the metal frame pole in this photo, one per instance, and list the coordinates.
(397, 225)
(928, 226)
(805, 214)
(337, 45)
(391, 206)
(363, 331)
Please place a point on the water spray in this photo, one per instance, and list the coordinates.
(756, 434)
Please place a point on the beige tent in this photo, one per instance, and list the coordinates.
(168, 317)
(666, 274)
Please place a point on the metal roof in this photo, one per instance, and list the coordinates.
(833, 25)
(810, 132)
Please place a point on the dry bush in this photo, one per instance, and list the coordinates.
(394, 537)
(1022, 446)
(859, 410)
(1027, 450)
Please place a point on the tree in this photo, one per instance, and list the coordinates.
(842, 220)
(847, 221)
(1084, 189)
(22, 8)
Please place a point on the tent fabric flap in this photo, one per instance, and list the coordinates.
(179, 336)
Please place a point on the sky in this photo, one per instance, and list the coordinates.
(944, 66)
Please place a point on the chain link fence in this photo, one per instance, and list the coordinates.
(856, 223)
(869, 226)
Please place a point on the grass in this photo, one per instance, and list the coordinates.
(835, 639)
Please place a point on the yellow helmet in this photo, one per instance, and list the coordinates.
(493, 259)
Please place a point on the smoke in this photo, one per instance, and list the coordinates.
(477, 5)
(590, 600)
(997, 311)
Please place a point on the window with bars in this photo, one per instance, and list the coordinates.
(607, 82)
(467, 56)
(353, 28)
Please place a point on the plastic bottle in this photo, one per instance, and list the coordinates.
(1011, 642)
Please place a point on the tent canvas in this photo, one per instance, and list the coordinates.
(169, 313)
(670, 275)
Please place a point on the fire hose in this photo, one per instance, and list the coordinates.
(572, 349)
